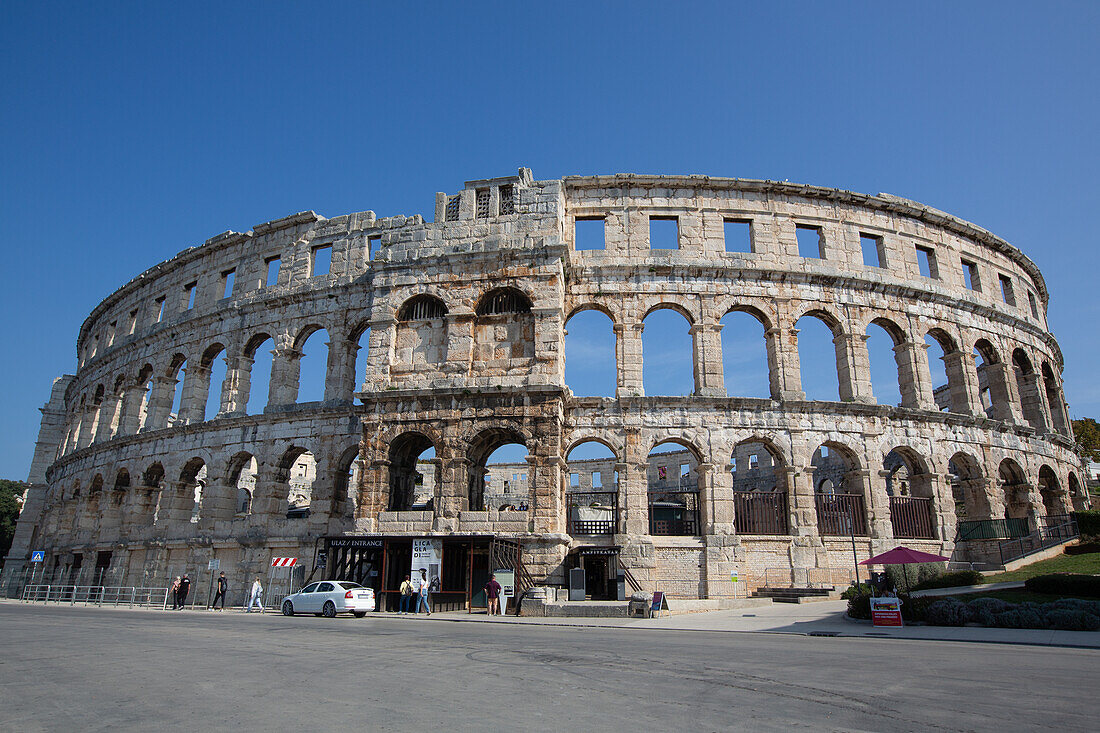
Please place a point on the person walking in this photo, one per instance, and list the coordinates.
(185, 587)
(223, 586)
(492, 595)
(406, 594)
(425, 592)
(255, 596)
(174, 591)
(415, 600)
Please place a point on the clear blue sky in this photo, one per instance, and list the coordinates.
(131, 131)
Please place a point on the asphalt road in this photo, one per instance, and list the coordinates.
(88, 669)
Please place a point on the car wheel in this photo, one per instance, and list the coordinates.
(360, 614)
(329, 610)
(288, 608)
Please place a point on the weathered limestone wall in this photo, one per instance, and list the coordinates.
(465, 353)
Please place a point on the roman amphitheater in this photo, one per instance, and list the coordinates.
(444, 341)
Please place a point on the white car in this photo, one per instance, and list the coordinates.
(330, 597)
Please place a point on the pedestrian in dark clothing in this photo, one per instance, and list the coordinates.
(185, 586)
(223, 586)
(492, 595)
(174, 591)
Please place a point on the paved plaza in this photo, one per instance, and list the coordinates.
(99, 669)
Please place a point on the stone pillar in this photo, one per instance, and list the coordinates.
(938, 486)
(285, 371)
(962, 380)
(267, 500)
(460, 342)
(196, 388)
(720, 488)
(547, 505)
(853, 367)
(628, 355)
(783, 368)
(709, 520)
(108, 411)
(1033, 402)
(914, 377)
(801, 501)
(340, 370)
(131, 409)
(237, 385)
(219, 504)
(87, 428)
(380, 354)
(877, 502)
(707, 357)
(160, 402)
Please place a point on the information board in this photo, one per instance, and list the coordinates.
(886, 611)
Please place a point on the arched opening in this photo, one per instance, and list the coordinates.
(1054, 400)
(312, 365)
(992, 391)
(1077, 495)
(208, 394)
(297, 471)
(673, 490)
(97, 405)
(255, 382)
(361, 338)
(421, 332)
(909, 486)
(242, 477)
(745, 355)
(345, 494)
(884, 339)
(590, 358)
(592, 490)
(942, 388)
(1014, 488)
(817, 357)
(968, 489)
(185, 502)
(152, 483)
(414, 473)
(145, 384)
(504, 329)
(668, 363)
(177, 370)
(838, 492)
(499, 471)
(1027, 386)
(1053, 500)
(760, 489)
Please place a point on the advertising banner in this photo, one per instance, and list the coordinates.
(886, 611)
(427, 554)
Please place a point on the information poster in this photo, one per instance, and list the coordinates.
(886, 611)
(427, 554)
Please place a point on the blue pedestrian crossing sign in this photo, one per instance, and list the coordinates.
(38, 556)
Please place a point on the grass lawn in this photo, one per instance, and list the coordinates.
(1088, 564)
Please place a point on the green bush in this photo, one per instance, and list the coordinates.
(912, 609)
(1088, 523)
(983, 610)
(1065, 584)
(910, 576)
(1067, 620)
(947, 612)
(859, 606)
(951, 580)
(1020, 617)
(853, 590)
(1076, 604)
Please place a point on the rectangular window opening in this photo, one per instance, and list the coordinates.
(970, 275)
(1034, 305)
(111, 332)
(320, 260)
(482, 210)
(1006, 290)
(873, 253)
(685, 470)
(597, 480)
(227, 282)
(191, 289)
(574, 479)
(273, 264)
(133, 322)
(738, 235)
(589, 233)
(160, 309)
(664, 232)
(754, 461)
(926, 262)
(453, 204)
(374, 244)
(507, 200)
(811, 241)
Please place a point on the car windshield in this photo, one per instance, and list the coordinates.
(348, 586)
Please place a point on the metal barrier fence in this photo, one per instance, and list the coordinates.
(991, 529)
(96, 594)
(1041, 539)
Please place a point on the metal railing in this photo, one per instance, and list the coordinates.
(1040, 539)
(674, 513)
(761, 512)
(592, 512)
(841, 515)
(911, 517)
(96, 594)
(991, 529)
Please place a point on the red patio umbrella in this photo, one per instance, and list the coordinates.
(904, 556)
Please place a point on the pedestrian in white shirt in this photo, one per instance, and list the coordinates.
(417, 585)
(255, 598)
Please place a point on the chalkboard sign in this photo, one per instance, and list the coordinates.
(659, 603)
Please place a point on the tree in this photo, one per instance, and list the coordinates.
(1087, 432)
(9, 512)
